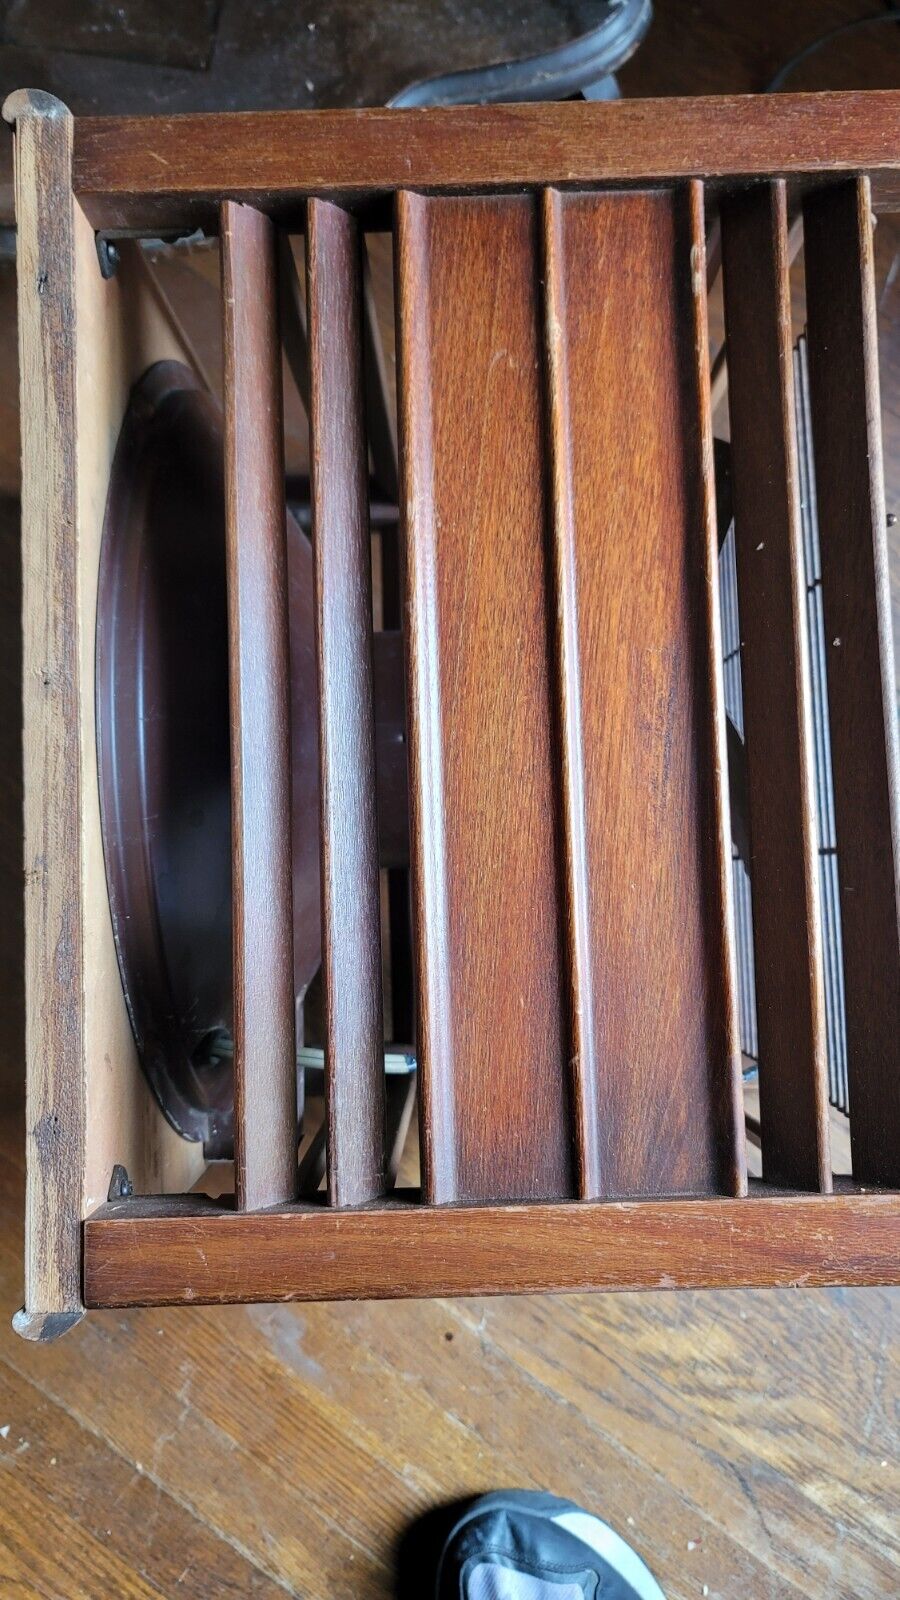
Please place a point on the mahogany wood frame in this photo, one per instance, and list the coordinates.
(147, 1253)
(142, 176)
(133, 172)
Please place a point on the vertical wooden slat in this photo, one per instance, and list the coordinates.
(647, 855)
(491, 1039)
(54, 945)
(843, 375)
(264, 1051)
(351, 942)
(793, 1085)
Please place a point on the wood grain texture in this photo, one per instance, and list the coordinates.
(136, 170)
(132, 1257)
(83, 342)
(54, 956)
(701, 1417)
(844, 394)
(265, 1073)
(351, 911)
(655, 1049)
(783, 862)
(158, 1547)
(491, 1033)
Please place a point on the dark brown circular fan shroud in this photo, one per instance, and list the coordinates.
(164, 751)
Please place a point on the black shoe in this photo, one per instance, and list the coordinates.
(521, 1545)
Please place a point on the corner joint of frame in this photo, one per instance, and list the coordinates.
(42, 1327)
(33, 103)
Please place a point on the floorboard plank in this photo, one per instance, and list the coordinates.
(312, 1435)
(113, 1500)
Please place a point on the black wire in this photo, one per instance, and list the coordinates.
(783, 73)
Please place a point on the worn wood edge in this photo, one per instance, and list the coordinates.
(401, 1251)
(52, 733)
(33, 102)
(124, 162)
(731, 1125)
(43, 1327)
(786, 243)
(117, 1118)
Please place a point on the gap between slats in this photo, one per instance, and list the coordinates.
(776, 692)
(845, 409)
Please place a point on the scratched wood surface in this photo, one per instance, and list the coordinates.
(53, 916)
(186, 1249)
(743, 1441)
(183, 166)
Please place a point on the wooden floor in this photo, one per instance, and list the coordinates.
(747, 1443)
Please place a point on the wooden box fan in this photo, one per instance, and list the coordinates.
(440, 737)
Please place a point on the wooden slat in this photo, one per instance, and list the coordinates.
(54, 934)
(351, 934)
(843, 373)
(655, 1047)
(133, 1257)
(491, 1041)
(783, 865)
(130, 171)
(264, 1069)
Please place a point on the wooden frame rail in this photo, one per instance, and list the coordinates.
(579, 1070)
(141, 1253)
(131, 172)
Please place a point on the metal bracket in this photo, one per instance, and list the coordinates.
(107, 255)
(120, 1185)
